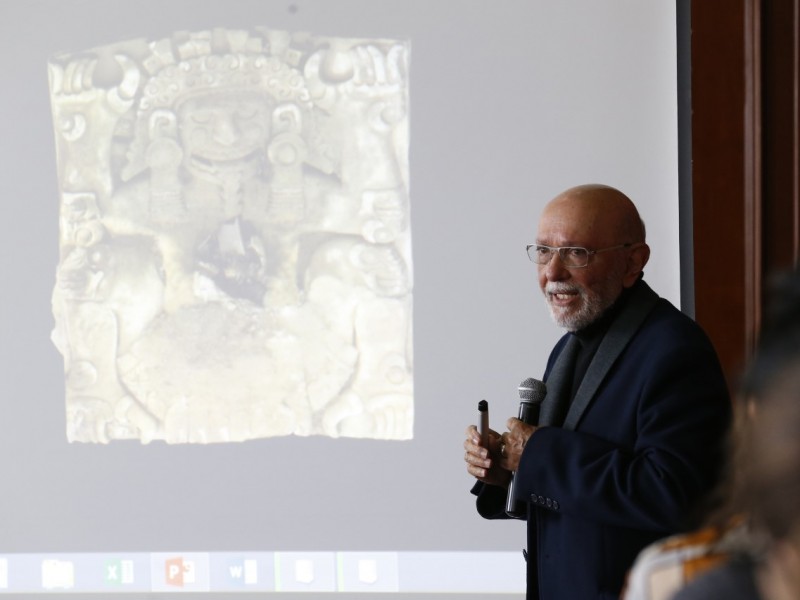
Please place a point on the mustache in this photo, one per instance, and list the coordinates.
(562, 288)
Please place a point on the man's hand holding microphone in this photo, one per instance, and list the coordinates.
(494, 460)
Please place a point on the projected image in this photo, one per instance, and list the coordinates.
(235, 250)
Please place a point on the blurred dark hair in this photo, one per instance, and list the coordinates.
(777, 355)
(779, 342)
(772, 471)
(771, 466)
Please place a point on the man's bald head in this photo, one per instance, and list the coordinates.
(604, 208)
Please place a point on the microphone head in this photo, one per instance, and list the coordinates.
(532, 390)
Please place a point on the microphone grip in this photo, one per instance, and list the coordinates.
(529, 413)
(517, 509)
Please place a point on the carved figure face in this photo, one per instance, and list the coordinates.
(224, 127)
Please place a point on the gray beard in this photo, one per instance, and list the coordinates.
(593, 305)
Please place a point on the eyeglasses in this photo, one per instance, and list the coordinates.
(572, 257)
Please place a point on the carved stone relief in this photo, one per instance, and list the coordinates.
(235, 247)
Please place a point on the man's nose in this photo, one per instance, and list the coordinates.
(555, 270)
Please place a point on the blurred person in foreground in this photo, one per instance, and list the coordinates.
(631, 430)
(775, 485)
(750, 546)
(773, 473)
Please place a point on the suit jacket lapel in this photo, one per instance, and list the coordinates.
(559, 384)
(622, 330)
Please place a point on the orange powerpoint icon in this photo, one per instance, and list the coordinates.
(179, 572)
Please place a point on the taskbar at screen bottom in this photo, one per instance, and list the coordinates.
(279, 572)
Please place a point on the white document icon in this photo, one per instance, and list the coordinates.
(367, 570)
(3, 573)
(57, 574)
(304, 570)
(251, 572)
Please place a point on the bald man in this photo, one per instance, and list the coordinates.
(631, 430)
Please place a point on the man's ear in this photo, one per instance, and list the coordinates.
(637, 259)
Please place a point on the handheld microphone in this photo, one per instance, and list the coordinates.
(531, 393)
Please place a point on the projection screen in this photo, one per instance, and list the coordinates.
(262, 260)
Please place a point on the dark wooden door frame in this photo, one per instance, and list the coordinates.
(744, 148)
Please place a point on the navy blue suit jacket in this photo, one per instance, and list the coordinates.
(630, 465)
